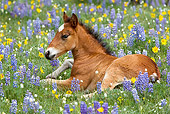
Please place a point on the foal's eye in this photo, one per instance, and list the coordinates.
(64, 36)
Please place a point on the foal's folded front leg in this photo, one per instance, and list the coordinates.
(68, 63)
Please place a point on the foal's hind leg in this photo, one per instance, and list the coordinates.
(68, 63)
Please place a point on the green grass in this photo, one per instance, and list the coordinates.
(149, 101)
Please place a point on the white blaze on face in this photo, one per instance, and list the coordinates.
(53, 51)
(61, 28)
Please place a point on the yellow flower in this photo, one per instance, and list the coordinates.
(32, 7)
(41, 54)
(169, 18)
(167, 30)
(32, 1)
(153, 59)
(100, 19)
(104, 15)
(169, 12)
(0, 40)
(143, 98)
(38, 0)
(101, 102)
(56, 96)
(133, 79)
(9, 3)
(49, 15)
(71, 109)
(155, 49)
(145, 4)
(19, 30)
(125, 4)
(164, 41)
(50, 20)
(53, 91)
(130, 26)
(149, 41)
(99, 6)
(154, 10)
(86, 21)
(124, 35)
(1, 76)
(164, 13)
(38, 10)
(91, 9)
(80, 5)
(100, 109)
(41, 70)
(167, 37)
(4, 43)
(120, 39)
(125, 11)
(93, 19)
(4, 26)
(25, 42)
(5, 6)
(19, 45)
(41, 45)
(152, 15)
(160, 17)
(137, 14)
(1, 57)
(19, 23)
(1, 34)
(113, 1)
(9, 40)
(57, 11)
(158, 32)
(111, 25)
(104, 34)
(69, 92)
(63, 9)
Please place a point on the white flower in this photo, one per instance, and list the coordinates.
(21, 85)
(40, 107)
(105, 94)
(35, 95)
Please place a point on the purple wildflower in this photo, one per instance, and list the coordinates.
(83, 107)
(168, 79)
(99, 87)
(105, 107)
(30, 65)
(37, 83)
(115, 109)
(42, 112)
(35, 70)
(96, 105)
(127, 85)
(157, 2)
(168, 56)
(150, 86)
(13, 62)
(37, 27)
(90, 110)
(66, 107)
(75, 85)
(23, 31)
(121, 53)
(15, 85)
(26, 53)
(54, 86)
(135, 95)
(1, 91)
(144, 52)
(163, 102)
(159, 63)
(13, 108)
(1, 68)
(7, 78)
(16, 74)
(55, 63)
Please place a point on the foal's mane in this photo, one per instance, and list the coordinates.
(96, 36)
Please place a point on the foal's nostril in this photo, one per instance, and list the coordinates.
(47, 53)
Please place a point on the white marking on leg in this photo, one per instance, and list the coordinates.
(105, 76)
(61, 28)
(53, 51)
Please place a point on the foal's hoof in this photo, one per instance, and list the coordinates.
(49, 76)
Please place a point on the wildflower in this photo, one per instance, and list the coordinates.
(69, 92)
(120, 39)
(135, 95)
(7, 78)
(56, 96)
(66, 108)
(13, 108)
(112, 14)
(1, 76)
(75, 85)
(41, 70)
(100, 109)
(96, 105)
(54, 91)
(168, 79)
(163, 102)
(159, 63)
(150, 86)
(155, 49)
(38, 10)
(1, 57)
(105, 107)
(104, 15)
(1, 91)
(15, 84)
(115, 109)
(153, 59)
(133, 79)
(168, 56)
(99, 87)
(93, 19)
(160, 17)
(164, 41)
(83, 107)
(145, 4)
(86, 21)
(137, 14)
(19, 45)
(152, 15)
(41, 54)
(55, 63)
(127, 85)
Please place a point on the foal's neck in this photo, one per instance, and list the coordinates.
(87, 44)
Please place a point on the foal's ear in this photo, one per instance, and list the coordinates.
(74, 20)
(65, 17)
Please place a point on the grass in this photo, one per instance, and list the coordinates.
(126, 104)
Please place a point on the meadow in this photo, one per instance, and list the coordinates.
(28, 26)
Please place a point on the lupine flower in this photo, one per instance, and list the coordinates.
(1, 91)
(127, 85)
(135, 95)
(66, 108)
(13, 62)
(112, 14)
(96, 105)
(37, 27)
(54, 86)
(23, 31)
(35, 70)
(13, 108)
(163, 102)
(168, 79)
(83, 107)
(30, 65)
(75, 85)
(37, 83)
(115, 109)
(15, 84)
(159, 63)
(1, 68)
(121, 53)
(90, 110)
(150, 86)
(55, 63)
(144, 52)
(168, 56)
(42, 112)
(99, 87)
(70, 54)
(105, 107)
(7, 78)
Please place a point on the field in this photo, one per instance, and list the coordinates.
(28, 26)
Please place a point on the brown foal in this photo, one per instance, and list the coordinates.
(91, 62)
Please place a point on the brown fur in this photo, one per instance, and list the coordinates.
(92, 63)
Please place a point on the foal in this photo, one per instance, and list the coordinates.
(91, 63)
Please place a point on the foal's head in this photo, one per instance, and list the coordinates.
(65, 38)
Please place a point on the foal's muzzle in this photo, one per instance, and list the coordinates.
(49, 56)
